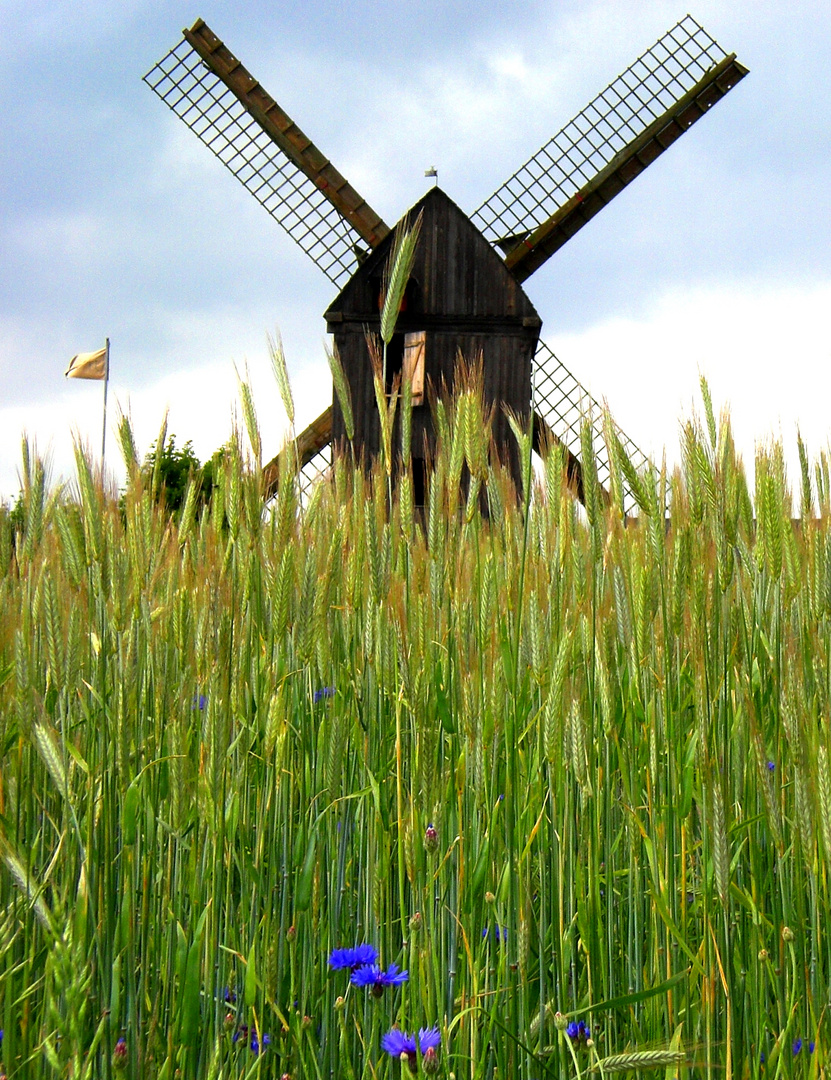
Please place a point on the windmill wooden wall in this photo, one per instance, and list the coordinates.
(464, 299)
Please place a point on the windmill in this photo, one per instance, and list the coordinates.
(466, 289)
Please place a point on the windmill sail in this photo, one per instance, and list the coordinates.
(564, 405)
(310, 451)
(619, 134)
(210, 90)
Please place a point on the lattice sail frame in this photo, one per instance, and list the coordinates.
(587, 144)
(199, 98)
(564, 404)
(318, 468)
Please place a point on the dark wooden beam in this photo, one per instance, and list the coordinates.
(534, 250)
(309, 442)
(282, 130)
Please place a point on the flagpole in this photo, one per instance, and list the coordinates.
(106, 382)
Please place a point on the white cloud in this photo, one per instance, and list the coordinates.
(764, 350)
(510, 65)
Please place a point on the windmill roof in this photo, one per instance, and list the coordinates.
(457, 271)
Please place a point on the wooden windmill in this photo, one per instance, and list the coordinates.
(466, 289)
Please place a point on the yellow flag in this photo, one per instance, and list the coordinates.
(88, 365)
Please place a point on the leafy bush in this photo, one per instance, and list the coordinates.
(170, 470)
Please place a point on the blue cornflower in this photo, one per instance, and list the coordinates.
(797, 1046)
(254, 1044)
(771, 766)
(353, 958)
(577, 1031)
(499, 932)
(323, 692)
(200, 702)
(396, 1042)
(372, 975)
(257, 1046)
(811, 1047)
(120, 1054)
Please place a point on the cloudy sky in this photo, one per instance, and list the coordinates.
(116, 221)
